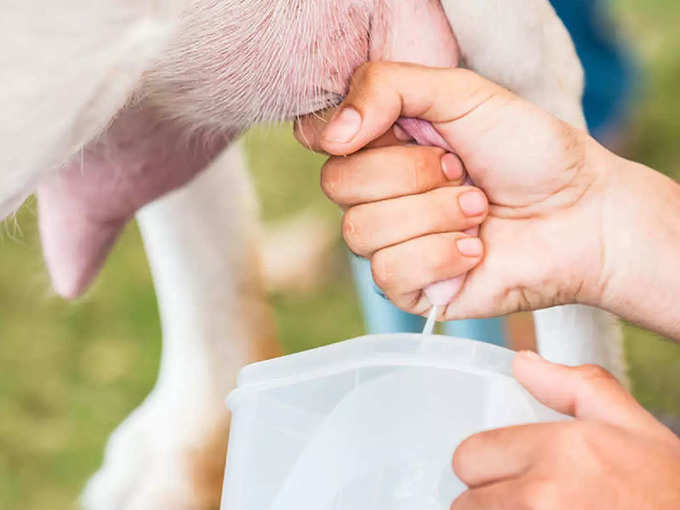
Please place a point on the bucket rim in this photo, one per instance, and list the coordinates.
(373, 351)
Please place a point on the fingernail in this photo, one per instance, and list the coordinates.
(344, 126)
(452, 167)
(470, 246)
(530, 355)
(472, 203)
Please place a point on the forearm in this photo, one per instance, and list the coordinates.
(640, 277)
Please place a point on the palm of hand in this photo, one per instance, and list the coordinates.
(520, 177)
(536, 202)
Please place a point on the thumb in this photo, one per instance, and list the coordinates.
(382, 92)
(586, 392)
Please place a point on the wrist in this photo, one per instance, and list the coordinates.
(604, 177)
(583, 275)
(640, 243)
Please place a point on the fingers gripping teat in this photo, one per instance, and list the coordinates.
(419, 32)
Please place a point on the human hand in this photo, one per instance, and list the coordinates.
(544, 181)
(613, 455)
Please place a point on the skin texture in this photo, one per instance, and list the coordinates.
(552, 204)
(613, 455)
(468, 108)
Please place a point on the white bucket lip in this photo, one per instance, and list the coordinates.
(435, 351)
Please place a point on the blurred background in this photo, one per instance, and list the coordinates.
(70, 372)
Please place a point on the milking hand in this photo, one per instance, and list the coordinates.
(441, 293)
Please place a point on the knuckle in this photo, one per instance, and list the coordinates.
(574, 440)
(370, 74)
(424, 163)
(437, 268)
(350, 230)
(362, 74)
(448, 207)
(418, 168)
(332, 180)
(421, 161)
(595, 375)
(465, 74)
(440, 261)
(594, 372)
(566, 437)
(380, 270)
(575, 443)
(363, 69)
(371, 69)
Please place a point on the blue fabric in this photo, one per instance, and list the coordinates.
(608, 67)
(381, 316)
(487, 330)
(609, 75)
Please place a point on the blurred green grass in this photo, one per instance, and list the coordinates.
(69, 373)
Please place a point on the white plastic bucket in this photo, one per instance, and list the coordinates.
(367, 424)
